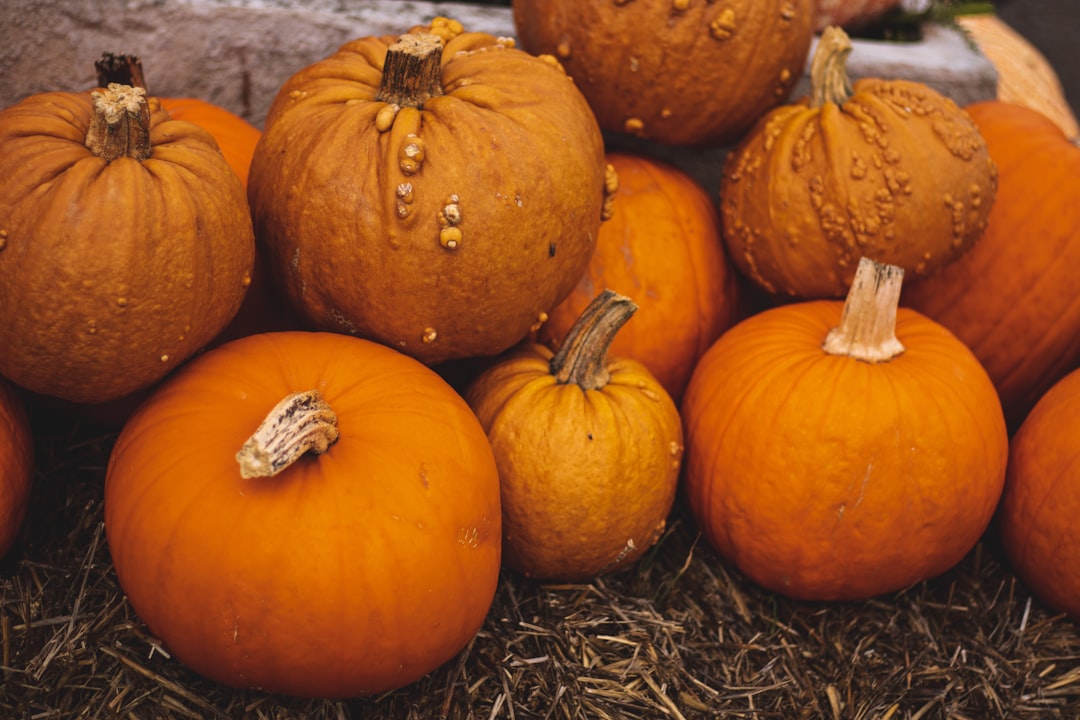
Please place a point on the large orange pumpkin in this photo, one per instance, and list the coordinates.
(438, 193)
(1014, 298)
(349, 572)
(842, 450)
(125, 243)
(661, 246)
(16, 464)
(678, 73)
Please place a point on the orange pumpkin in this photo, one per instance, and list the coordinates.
(677, 73)
(260, 565)
(127, 243)
(1013, 297)
(837, 451)
(1037, 517)
(887, 169)
(588, 449)
(16, 465)
(438, 193)
(661, 245)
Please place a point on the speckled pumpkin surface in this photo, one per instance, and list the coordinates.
(445, 227)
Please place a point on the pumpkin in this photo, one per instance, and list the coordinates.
(588, 449)
(842, 450)
(676, 73)
(662, 246)
(260, 562)
(887, 169)
(16, 465)
(850, 13)
(127, 243)
(1025, 76)
(377, 217)
(1037, 516)
(1013, 297)
(235, 136)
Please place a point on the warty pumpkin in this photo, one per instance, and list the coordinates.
(661, 245)
(588, 449)
(1037, 516)
(16, 465)
(125, 243)
(887, 169)
(261, 563)
(1014, 298)
(838, 451)
(438, 193)
(677, 73)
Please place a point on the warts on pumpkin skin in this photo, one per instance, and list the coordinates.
(449, 217)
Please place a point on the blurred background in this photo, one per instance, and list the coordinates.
(1053, 26)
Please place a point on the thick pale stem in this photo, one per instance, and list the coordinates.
(582, 359)
(302, 422)
(412, 72)
(120, 125)
(867, 329)
(829, 82)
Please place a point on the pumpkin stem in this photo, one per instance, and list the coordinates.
(582, 359)
(120, 126)
(301, 422)
(829, 81)
(120, 68)
(867, 329)
(412, 72)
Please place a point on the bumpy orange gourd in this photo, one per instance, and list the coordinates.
(349, 572)
(16, 465)
(1037, 516)
(662, 246)
(678, 73)
(887, 169)
(588, 449)
(1014, 298)
(837, 451)
(437, 194)
(127, 243)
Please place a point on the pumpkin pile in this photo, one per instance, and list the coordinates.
(308, 505)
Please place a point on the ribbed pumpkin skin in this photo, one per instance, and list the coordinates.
(235, 136)
(1037, 517)
(697, 75)
(662, 247)
(16, 465)
(823, 477)
(897, 173)
(1014, 299)
(353, 239)
(115, 272)
(350, 573)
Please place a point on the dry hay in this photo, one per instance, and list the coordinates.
(678, 636)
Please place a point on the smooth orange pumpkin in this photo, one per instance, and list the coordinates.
(16, 465)
(677, 73)
(588, 449)
(838, 451)
(1014, 298)
(127, 243)
(349, 572)
(1037, 516)
(438, 193)
(661, 246)
(887, 169)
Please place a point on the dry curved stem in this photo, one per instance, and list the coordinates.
(829, 81)
(120, 124)
(412, 72)
(582, 359)
(302, 422)
(867, 329)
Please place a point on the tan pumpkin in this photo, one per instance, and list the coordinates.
(126, 243)
(679, 73)
(887, 169)
(439, 193)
